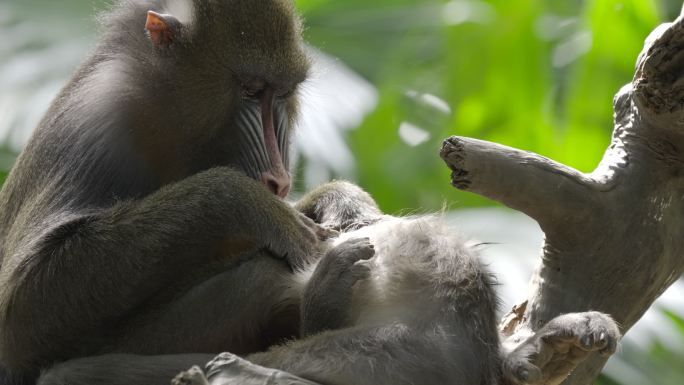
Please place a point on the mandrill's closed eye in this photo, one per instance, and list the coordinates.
(253, 89)
(284, 94)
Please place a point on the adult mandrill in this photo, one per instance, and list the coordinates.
(142, 190)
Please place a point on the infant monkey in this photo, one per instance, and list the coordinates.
(401, 301)
(395, 301)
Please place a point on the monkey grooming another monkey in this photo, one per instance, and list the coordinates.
(393, 301)
(142, 230)
(153, 181)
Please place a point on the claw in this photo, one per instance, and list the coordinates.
(326, 233)
(602, 340)
(587, 342)
(529, 375)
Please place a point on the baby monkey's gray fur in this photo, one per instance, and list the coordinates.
(395, 301)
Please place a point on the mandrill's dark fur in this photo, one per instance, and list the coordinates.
(139, 192)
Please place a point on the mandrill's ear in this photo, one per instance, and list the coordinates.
(162, 29)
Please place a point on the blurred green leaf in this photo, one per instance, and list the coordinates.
(6, 160)
(605, 380)
(531, 74)
(677, 320)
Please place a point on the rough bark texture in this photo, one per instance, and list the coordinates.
(613, 237)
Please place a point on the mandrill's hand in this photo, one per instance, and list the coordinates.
(256, 219)
(322, 232)
(295, 237)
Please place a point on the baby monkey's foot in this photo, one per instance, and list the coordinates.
(347, 262)
(327, 297)
(555, 350)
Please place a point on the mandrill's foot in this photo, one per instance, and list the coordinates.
(229, 369)
(551, 354)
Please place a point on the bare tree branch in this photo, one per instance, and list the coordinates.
(519, 179)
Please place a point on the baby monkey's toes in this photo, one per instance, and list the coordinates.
(554, 351)
(352, 259)
(356, 249)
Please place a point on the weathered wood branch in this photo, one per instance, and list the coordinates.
(614, 238)
(519, 179)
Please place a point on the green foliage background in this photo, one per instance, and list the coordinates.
(497, 74)
(532, 74)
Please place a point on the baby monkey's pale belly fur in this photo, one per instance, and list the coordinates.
(427, 296)
(418, 267)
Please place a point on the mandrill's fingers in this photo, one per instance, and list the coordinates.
(322, 232)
